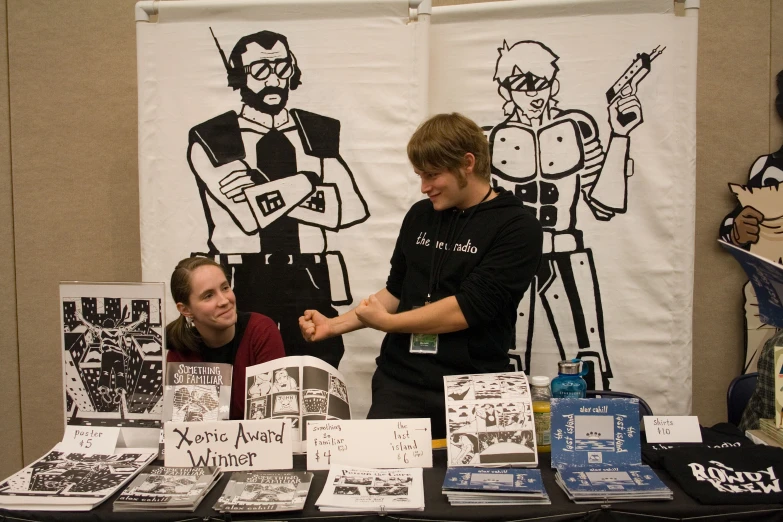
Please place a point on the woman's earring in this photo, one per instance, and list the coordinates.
(189, 322)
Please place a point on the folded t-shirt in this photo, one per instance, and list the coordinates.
(743, 475)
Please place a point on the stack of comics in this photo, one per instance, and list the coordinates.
(162, 488)
(350, 488)
(606, 484)
(253, 491)
(64, 480)
(768, 428)
(472, 486)
(489, 420)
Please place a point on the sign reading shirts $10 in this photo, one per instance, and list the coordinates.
(240, 445)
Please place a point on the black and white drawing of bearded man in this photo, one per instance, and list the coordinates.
(272, 182)
(550, 158)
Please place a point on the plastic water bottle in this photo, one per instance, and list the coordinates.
(569, 383)
(539, 392)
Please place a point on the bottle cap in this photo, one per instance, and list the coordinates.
(569, 367)
(539, 380)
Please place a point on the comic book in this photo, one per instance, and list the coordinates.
(167, 488)
(350, 488)
(473, 486)
(254, 491)
(489, 420)
(601, 484)
(593, 432)
(301, 388)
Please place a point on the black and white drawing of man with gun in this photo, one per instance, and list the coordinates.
(550, 157)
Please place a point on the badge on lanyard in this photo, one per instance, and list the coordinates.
(424, 343)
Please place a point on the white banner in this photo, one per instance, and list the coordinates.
(571, 92)
(306, 216)
(324, 195)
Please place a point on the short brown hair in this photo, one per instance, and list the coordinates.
(442, 141)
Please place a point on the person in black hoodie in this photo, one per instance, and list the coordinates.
(463, 260)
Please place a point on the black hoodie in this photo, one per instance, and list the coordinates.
(488, 256)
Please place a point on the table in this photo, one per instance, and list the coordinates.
(437, 507)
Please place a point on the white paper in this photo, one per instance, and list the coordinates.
(377, 443)
(673, 428)
(90, 439)
(240, 445)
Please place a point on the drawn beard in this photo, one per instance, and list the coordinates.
(256, 99)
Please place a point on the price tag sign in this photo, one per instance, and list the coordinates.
(91, 439)
(375, 443)
(672, 428)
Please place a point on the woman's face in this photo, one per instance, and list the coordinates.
(212, 304)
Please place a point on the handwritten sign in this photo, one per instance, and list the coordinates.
(239, 445)
(376, 443)
(91, 439)
(672, 429)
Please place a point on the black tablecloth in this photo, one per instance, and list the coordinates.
(437, 507)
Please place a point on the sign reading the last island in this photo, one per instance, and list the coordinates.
(240, 445)
(588, 432)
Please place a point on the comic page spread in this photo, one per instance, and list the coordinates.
(113, 353)
(350, 488)
(490, 420)
(252, 491)
(64, 480)
(301, 388)
(167, 488)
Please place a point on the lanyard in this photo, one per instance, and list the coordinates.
(435, 271)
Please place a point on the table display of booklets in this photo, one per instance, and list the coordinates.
(64, 480)
(352, 489)
(161, 488)
(194, 392)
(596, 452)
(490, 423)
(300, 388)
(254, 491)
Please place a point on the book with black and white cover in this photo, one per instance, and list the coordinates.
(252, 491)
(602, 483)
(595, 432)
(72, 481)
(194, 392)
(350, 488)
(768, 427)
(469, 486)
(300, 388)
(167, 488)
(489, 420)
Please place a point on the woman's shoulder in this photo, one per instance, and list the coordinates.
(257, 320)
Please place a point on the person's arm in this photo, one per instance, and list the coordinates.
(317, 327)
(265, 341)
(442, 316)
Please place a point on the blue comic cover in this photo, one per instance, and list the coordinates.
(591, 432)
(612, 480)
(471, 478)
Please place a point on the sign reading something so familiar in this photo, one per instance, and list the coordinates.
(376, 443)
(239, 445)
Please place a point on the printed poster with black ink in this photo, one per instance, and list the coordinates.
(489, 420)
(767, 279)
(592, 432)
(70, 481)
(300, 388)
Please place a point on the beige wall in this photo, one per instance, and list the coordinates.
(69, 191)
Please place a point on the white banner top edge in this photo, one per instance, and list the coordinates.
(174, 11)
(548, 8)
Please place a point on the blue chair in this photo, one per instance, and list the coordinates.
(738, 395)
(644, 408)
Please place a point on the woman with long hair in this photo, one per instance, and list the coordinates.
(209, 328)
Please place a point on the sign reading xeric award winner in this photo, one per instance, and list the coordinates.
(241, 445)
